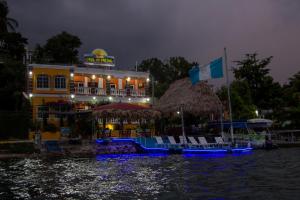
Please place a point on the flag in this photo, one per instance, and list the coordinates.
(210, 71)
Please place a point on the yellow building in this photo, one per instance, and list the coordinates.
(53, 88)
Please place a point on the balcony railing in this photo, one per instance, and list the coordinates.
(90, 91)
(113, 92)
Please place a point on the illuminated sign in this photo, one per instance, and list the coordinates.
(99, 57)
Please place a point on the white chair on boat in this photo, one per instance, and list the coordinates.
(204, 143)
(183, 140)
(159, 141)
(220, 141)
(172, 141)
(194, 141)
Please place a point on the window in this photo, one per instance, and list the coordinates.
(42, 81)
(42, 112)
(60, 82)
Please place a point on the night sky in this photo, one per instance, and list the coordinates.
(133, 30)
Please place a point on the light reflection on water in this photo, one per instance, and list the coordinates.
(158, 176)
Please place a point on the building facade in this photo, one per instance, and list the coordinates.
(56, 89)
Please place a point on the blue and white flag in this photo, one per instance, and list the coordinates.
(211, 71)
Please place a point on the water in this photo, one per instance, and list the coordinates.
(257, 175)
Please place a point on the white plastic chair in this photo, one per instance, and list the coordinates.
(183, 140)
(220, 141)
(159, 141)
(203, 142)
(194, 141)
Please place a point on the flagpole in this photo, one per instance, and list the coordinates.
(228, 93)
(182, 124)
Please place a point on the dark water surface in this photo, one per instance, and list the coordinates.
(257, 175)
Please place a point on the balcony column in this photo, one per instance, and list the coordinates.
(85, 85)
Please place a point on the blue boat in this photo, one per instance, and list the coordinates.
(150, 145)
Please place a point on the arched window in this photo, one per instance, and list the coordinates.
(60, 82)
(42, 81)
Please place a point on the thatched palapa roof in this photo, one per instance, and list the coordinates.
(198, 99)
(125, 110)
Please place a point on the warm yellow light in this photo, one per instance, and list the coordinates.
(110, 126)
(30, 73)
(108, 77)
(148, 79)
(72, 74)
(72, 96)
(128, 79)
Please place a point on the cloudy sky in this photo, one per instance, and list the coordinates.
(133, 30)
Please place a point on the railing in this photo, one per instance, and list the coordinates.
(90, 90)
(113, 92)
(117, 121)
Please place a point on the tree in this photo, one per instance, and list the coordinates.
(292, 91)
(262, 86)
(61, 48)
(289, 115)
(39, 55)
(6, 23)
(165, 73)
(12, 46)
(241, 101)
(12, 84)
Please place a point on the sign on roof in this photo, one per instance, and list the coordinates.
(99, 57)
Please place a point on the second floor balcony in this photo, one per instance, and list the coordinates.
(112, 92)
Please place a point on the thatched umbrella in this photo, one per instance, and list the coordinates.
(125, 111)
(195, 99)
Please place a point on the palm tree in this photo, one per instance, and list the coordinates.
(6, 23)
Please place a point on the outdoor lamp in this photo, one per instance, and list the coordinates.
(256, 112)
(30, 95)
(30, 73)
(72, 74)
(129, 99)
(110, 98)
(94, 98)
(93, 76)
(128, 79)
(178, 112)
(72, 96)
(108, 77)
(148, 79)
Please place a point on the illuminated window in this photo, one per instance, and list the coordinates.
(42, 81)
(60, 82)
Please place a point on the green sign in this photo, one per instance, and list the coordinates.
(99, 57)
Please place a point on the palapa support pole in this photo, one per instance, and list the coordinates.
(182, 124)
(228, 93)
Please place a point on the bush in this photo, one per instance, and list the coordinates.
(14, 125)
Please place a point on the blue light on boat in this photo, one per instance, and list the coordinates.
(242, 149)
(204, 150)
